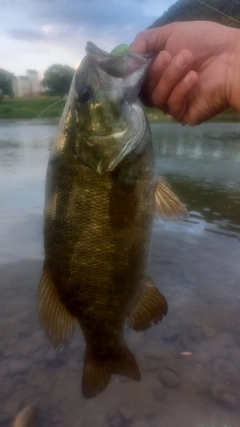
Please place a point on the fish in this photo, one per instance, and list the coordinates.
(102, 194)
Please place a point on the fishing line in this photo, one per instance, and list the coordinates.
(60, 100)
(222, 13)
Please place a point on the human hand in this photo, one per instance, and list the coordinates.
(194, 75)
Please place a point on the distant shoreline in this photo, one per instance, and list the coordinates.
(30, 108)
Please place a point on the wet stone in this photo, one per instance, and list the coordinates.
(136, 338)
(195, 333)
(225, 340)
(18, 366)
(224, 396)
(171, 335)
(159, 392)
(172, 365)
(225, 368)
(6, 390)
(151, 365)
(169, 378)
(140, 424)
(209, 332)
(196, 380)
(127, 413)
(186, 343)
(4, 419)
(202, 357)
(115, 419)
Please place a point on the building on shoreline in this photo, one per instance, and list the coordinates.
(28, 85)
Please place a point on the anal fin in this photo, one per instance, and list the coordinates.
(97, 372)
(57, 322)
(150, 308)
(167, 205)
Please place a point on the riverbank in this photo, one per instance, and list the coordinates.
(30, 108)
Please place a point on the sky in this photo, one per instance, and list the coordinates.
(35, 34)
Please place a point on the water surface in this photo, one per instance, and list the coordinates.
(190, 363)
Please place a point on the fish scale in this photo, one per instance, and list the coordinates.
(101, 196)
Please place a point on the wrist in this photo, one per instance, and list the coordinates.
(233, 75)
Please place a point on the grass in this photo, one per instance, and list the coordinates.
(30, 108)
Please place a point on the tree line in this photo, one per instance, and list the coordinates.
(57, 80)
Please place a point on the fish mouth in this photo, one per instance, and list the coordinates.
(102, 153)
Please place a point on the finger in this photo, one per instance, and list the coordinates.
(158, 67)
(173, 74)
(178, 100)
(154, 39)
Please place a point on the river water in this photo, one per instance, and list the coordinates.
(190, 363)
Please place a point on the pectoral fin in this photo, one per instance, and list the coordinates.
(167, 205)
(57, 322)
(150, 308)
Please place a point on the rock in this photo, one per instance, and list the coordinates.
(115, 419)
(195, 333)
(159, 392)
(18, 366)
(172, 364)
(186, 343)
(151, 365)
(136, 338)
(202, 357)
(224, 396)
(196, 380)
(225, 368)
(6, 389)
(209, 332)
(4, 419)
(26, 418)
(140, 424)
(171, 335)
(127, 413)
(51, 355)
(169, 378)
(225, 340)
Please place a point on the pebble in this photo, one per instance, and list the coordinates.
(169, 378)
(195, 333)
(159, 392)
(140, 424)
(225, 340)
(225, 368)
(224, 396)
(51, 355)
(18, 366)
(186, 343)
(171, 335)
(127, 413)
(209, 332)
(6, 390)
(196, 380)
(202, 357)
(151, 365)
(136, 338)
(115, 419)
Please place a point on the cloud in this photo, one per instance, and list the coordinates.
(25, 34)
(60, 28)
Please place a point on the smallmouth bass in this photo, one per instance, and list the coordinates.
(102, 193)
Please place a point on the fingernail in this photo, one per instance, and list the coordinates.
(180, 60)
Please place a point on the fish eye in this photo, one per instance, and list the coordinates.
(84, 93)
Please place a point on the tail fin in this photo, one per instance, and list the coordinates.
(97, 372)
